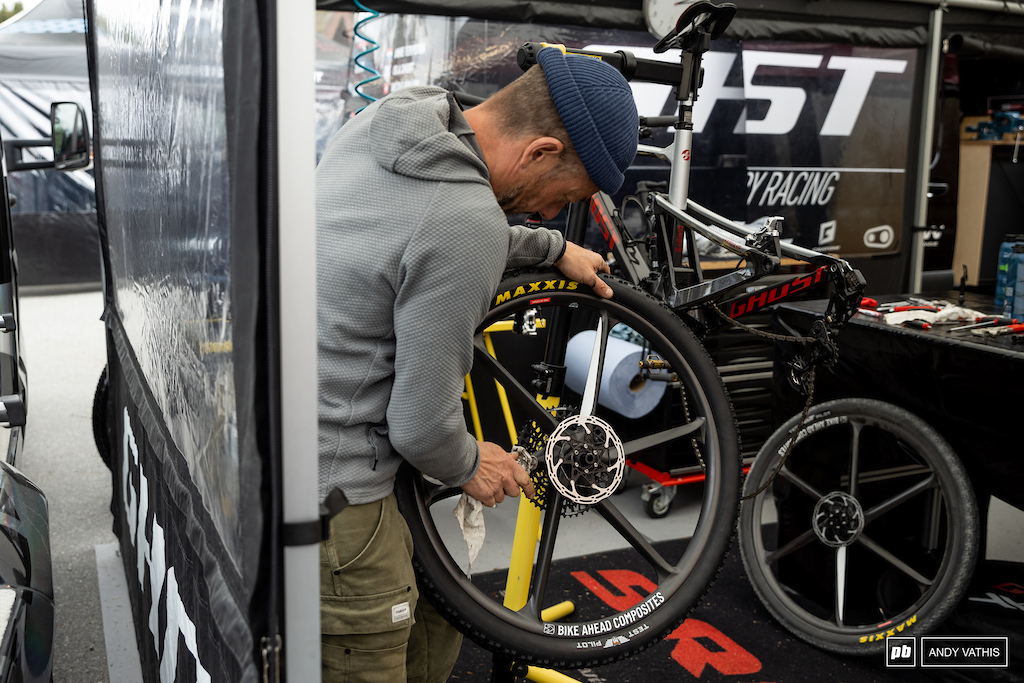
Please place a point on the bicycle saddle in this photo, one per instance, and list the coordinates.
(700, 23)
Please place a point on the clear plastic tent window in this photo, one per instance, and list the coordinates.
(168, 190)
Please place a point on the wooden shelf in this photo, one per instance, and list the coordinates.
(972, 207)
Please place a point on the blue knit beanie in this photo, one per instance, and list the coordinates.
(596, 106)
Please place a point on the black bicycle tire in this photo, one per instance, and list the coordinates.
(962, 537)
(441, 581)
(100, 408)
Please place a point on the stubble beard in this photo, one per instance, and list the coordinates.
(509, 200)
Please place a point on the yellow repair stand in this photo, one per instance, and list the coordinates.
(527, 534)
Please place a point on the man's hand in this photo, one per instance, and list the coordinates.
(499, 476)
(583, 266)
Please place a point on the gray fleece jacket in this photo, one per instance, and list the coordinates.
(411, 244)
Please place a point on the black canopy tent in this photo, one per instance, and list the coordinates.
(981, 29)
(864, 22)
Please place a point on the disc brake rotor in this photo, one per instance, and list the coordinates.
(838, 519)
(585, 459)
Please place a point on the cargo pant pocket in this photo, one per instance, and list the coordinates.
(343, 661)
(365, 639)
(368, 551)
(367, 595)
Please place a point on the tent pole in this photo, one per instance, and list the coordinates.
(296, 151)
(924, 159)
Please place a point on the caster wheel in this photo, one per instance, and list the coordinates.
(658, 506)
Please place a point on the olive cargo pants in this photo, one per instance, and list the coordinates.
(374, 628)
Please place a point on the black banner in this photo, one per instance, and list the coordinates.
(828, 131)
(169, 546)
(819, 133)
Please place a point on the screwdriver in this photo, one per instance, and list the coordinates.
(987, 321)
(908, 307)
(917, 324)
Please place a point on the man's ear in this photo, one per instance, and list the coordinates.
(542, 153)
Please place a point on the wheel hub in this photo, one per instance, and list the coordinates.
(838, 519)
(585, 459)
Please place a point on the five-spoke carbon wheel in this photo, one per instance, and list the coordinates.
(870, 529)
(520, 344)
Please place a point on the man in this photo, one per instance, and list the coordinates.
(412, 241)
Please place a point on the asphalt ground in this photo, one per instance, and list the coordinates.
(64, 349)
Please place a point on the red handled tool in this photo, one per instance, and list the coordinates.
(909, 307)
(1002, 329)
(917, 324)
(987, 321)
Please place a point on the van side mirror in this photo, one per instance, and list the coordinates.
(70, 136)
(69, 142)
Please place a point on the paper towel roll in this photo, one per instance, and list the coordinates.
(623, 388)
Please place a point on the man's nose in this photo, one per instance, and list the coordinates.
(551, 211)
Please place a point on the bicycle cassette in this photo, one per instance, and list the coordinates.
(533, 439)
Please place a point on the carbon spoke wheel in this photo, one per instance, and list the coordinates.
(869, 530)
(541, 322)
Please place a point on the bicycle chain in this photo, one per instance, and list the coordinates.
(693, 440)
(804, 381)
(652, 358)
(774, 336)
(791, 442)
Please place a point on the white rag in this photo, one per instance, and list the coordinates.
(469, 512)
(948, 312)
